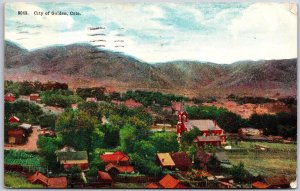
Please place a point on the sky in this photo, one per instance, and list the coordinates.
(160, 32)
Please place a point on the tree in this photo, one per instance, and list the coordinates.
(97, 138)
(47, 120)
(76, 124)
(111, 135)
(47, 147)
(127, 138)
(165, 141)
(145, 149)
(189, 136)
(145, 166)
(239, 173)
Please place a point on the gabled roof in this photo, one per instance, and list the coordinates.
(181, 159)
(207, 138)
(169, 181)
(259, 185)
(121, 169)
(276, 181)
(25, 126)
(14, 117)
(165, 159)
(37, 176)
(114, 157)
(72, 156)
(58, 182)
(202, 125)
(104, 176)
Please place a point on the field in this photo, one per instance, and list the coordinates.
(280, 160)
(14, 180)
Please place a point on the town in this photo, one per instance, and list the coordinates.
(57, 137)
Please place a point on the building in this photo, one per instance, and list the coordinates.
(16, 136)
(116, 158)
(26, 127)
(208, 140)
(34, 97)
(250, 132)
(14, 119)
(167, 181)
(56, 182)
(68, 157)
(91, 99)
(104, 177)
(182, 161)
(115, 170)
(9, 97)
(259, 185)
(165, 160)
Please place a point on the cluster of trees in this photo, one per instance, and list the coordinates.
(98, 92)
(60, 98)
(27, 87)
(284, 124)
(149, 98)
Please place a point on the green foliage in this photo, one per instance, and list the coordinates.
(60, 98)
(22, 158)
(15, 180)
(248, 99)
(26, 111)
(97, 138)
(47, 147)
(127, 138)
(96, 164)
(165, 141)
(47, 120)
(149, 98)
(12, 87)
(97, 92)
(145, 149)
(111, 135)
(76, 124)
(239, 173)
(188, 136)
(145, 166)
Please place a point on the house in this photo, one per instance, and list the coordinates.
(116, 158)
(165, 160)
(14, 119)
(9, 97)
(259, 185)
(115, 170)
(56, 182)
(169, 181)
(206, 126)
(131, 103)
(277, 182)
(16, 136)
(250, 132)
(182, 161)
(91, 99)
(104, 177)
(207, 140)
(69, 158)
(152, 185)
(34, 97)
(26, 127)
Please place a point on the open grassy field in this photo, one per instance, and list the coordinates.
(280, 160)
(14, 180)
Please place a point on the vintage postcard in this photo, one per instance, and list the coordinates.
(150, 95)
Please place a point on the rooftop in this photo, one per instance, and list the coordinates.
(202, 125)
(165, 159)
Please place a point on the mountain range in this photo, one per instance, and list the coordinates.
(82, 65)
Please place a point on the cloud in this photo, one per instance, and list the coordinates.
(159, 32)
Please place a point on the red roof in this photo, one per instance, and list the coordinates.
(16, 133)
(114, 157)
(132, 103)
(169, 182)
(9, 97)
(104, 176)
(38, 177)
(13, 119)
(121, 169)
(259, 185)
(181, 159)
(59, 182)
(152, 185)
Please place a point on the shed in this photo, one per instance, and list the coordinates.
(71, 158)
(16, 136)
(57, 182)
(14, 119)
